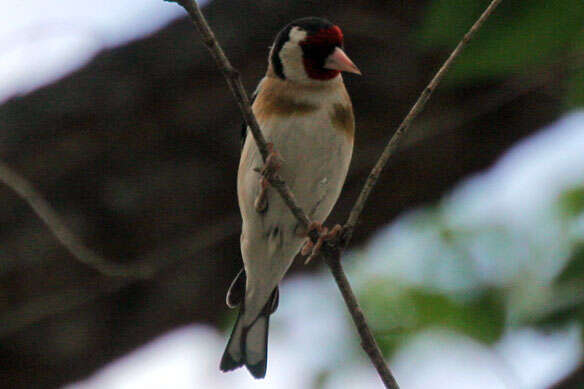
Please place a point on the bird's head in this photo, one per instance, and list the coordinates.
(310, 50)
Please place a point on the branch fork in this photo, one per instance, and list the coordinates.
(333, 247)
(330, 247)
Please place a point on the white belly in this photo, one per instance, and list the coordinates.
(316, 160)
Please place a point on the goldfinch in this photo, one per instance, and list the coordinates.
(305, 112)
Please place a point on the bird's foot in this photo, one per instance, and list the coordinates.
(272, 165)
(261, 201)
(324, 235)
(273, 161)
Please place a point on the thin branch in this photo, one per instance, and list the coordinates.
(54, 223)
(177, 251)
(332, 252)
(397, 137)
(233, 79)
(47, 306)
(368, 343)
(332, 257)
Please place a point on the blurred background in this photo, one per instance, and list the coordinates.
(469, 258)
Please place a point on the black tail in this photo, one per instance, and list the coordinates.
(249, 345)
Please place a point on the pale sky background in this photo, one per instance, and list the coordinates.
(41, 41)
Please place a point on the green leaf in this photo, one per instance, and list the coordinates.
(446, 21)
(480, 317)
(571, 202)
(575, 90)
(518, 36)
(389, 312)
(574, 270)
(396, 316)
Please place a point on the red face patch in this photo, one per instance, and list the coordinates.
(329, 36)
(315, 71)
(316, 48)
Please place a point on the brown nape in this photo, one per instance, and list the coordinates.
(343, 119)
(273, 101)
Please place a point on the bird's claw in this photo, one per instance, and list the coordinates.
(324, 235)
(273, 161)
(261, 201)
(271, 166)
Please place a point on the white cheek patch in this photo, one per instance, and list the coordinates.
(291, 56)
(296, 35)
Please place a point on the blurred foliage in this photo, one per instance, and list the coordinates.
(415, 309)
(569, 285)
(483, 276)
(571, 203)
(523, 36)
(473, 299)
(575, 93)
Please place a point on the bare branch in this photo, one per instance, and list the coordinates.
(81, 252)
(368, 343)
(233, 79)
(47, 306)
(397, 137)
(333, 257)
(177, 251)
(331, 252)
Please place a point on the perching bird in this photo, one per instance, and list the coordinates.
(304, 111)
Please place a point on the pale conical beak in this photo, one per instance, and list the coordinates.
(338, 60)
